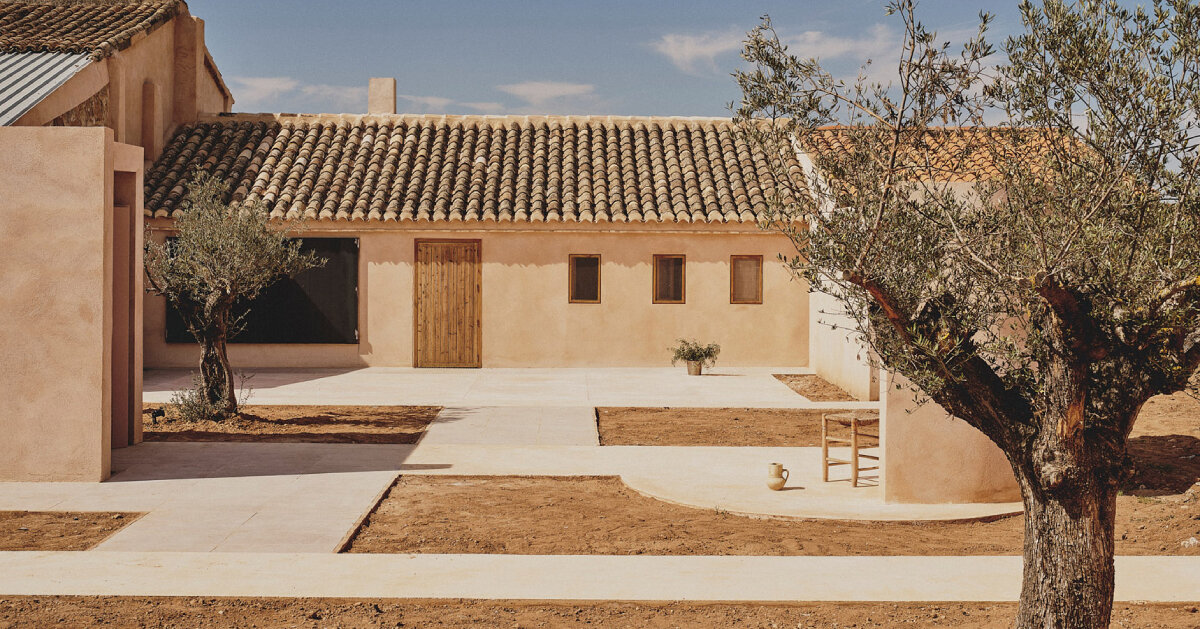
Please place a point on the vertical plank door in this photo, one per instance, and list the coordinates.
(448, 287)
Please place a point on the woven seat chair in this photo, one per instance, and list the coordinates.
(855, 421)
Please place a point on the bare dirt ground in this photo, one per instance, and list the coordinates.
(59, 530)
(1165, 446)
(1158, 513)
(765, 427)
(599, 515)
(207, 613)
(814, 387)
(308, 424)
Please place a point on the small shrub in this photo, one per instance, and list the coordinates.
(192, 405)
(692, 350)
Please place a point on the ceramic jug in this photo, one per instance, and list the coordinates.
(776, 476)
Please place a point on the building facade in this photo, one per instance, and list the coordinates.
(500, 241)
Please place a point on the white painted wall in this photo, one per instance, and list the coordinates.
(834, 352)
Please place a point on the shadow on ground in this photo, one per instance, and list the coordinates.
(1163, 464)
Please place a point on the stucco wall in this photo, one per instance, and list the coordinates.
(210, 98)
(930, 456)
(170, 57)
(527, 320)
(834, 352)
(148, 60)
(57, 313)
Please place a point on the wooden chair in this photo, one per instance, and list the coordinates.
(856, 421)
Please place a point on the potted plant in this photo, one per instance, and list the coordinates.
(696, 356)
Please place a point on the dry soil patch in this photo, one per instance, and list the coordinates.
(59, 530)
(307, 424)
(598, 515)
(37, 611)
(814, 387)
(1165, 447)
(765, 427)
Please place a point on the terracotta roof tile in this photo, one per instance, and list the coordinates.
(948, 154)
(95, 28)
(471, 168)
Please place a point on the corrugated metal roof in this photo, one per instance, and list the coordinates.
(28, 77)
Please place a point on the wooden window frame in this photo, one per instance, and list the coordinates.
(571, 278)
(682, 279)
(756, 258)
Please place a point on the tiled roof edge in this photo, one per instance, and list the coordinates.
(164, 14)
(489, 118)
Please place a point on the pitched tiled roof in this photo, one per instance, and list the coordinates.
(472, 168)
(94, 28)
(950, 154)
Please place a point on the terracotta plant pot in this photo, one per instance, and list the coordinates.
(695, 367)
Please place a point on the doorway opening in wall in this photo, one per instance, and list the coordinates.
(448, 304)
(319, 305)
(126, 287)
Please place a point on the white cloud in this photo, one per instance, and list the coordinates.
(286, 94)
(336, 98)
(425, 104)
(487, 108)
(252, 90)
(547, 93)
(692, 53)
(713, 51)
(877, 43)
(281, 93)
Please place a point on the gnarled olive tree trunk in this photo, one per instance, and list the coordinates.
(211, 330)
(1068, 573)
(1068, 466)
(216, 376)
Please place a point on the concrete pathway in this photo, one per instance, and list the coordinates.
(228, 497)
(667, 386)
(568, 577)
(730, 479)
(514, 425)
(308, 498)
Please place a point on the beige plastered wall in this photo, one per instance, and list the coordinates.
(527, 320)
(58, 311)
(930, 456)
(168, 69)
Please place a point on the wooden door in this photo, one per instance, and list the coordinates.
(448, 304)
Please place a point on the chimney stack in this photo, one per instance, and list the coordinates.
(381, 96)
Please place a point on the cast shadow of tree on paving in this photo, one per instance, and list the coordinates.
(337, 424)
(170, 380)
(178, 461)
(212, 454)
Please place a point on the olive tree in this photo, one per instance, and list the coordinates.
(1039, 278)
(223, 255)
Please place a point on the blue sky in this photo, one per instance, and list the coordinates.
(629, 58)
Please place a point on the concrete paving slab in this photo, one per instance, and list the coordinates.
(618, 386)
(231, 497)
(295, 497)
(514, 425)
(571, 577)
(183, 530)
(730, 479)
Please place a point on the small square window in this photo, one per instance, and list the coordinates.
(669, 277)
(585, 279)
(745, 279)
